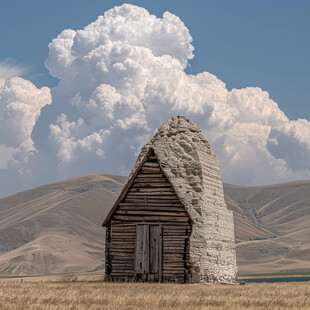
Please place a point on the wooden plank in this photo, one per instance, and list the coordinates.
(123, 239)
(151, 195)
(162, 184)
(121, 266)
(152, 201)
(173, 227)
(121, 271)
(118, 259)
(173, 256)
(123, 259)
(149, 170)
(176, 264)
(154, 248)
(150, 212)
(152, 189)
(178, 238)
(120, 246)
(160, 197)
(122, 254)
(151, 176)
(122, 263)
(172, 271)
(146, 250)
(150, 218)
(164, 196)
(145, 200)
(169, 251)
(125, 233)
(177, 232)
(160, 255)
(112, 250)
(175, 242)
(175, 235)
(134, 223)
(176, 260)
(121, 276)
(153, 208)
(117, 235)
(119, 224)
(159, 204)
(120, 236)
(145, 197)
(154, 180)
(172, 246)
(130, 241)
(150, 164)
(126, 230)
(139, 249)
(123, 227)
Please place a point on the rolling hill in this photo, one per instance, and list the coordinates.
(56, 228)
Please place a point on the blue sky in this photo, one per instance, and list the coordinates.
(244, 43)
(87, 100)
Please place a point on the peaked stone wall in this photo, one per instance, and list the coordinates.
(188, 162)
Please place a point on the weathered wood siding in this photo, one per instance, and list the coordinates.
(149, 222)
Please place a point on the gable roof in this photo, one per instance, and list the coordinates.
(187, 161)
(126, 188)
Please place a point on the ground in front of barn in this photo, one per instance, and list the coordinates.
(91, 293)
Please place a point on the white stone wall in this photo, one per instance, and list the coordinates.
(186, 159)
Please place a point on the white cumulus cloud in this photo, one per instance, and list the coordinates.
(123, 75)
(20, 107)
(72, 139)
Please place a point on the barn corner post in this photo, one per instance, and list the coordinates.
(170, 222)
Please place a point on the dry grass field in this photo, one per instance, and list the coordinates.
(101, 295)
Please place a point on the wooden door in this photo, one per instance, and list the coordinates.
(148, 256)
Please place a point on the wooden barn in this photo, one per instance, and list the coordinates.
(150, 231)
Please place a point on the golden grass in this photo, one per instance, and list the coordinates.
(101, 295)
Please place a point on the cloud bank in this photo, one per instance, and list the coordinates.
(121, 77)
(20, 107)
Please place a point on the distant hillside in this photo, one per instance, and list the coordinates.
(272, 226)
(56, 228)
